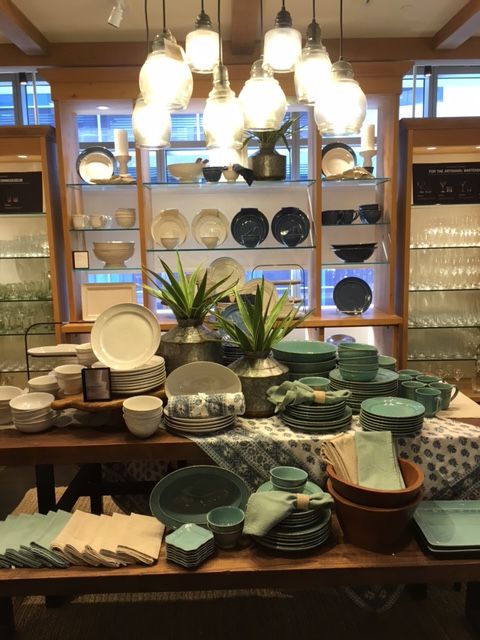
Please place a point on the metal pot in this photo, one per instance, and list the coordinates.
(268, 164)
(190, 341)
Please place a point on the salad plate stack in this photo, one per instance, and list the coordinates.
(197, 426)
(300, 530)
(138, 380)
(401, 416)
(189, 545)
(317, 418)
(385, 383)
(306, 358)
(230, 352)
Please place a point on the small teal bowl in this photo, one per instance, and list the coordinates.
(288, 478)
(225, 519)
(317, 383)
(358, 376)
(387, 362)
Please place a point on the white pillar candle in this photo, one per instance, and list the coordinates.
(120, 139)
(368, 136)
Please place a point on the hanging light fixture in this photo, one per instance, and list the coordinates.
(165, 76)
(223, 122)
(312, 71)
(341, 108)
(151, 124)
(201, 44)
(262, 98)
(282, 45)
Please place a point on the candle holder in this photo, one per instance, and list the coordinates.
(367, 155)
(123, 164)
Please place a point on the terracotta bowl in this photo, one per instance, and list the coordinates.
(382, 498)
(382, 530)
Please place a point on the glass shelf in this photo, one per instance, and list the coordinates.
(32, 370)
(103, 270)
(443, 326)
(357, 225)
(39, 333)
(26, 300)
(462, 290)
(102, 187)
(444, 206)
(350, 182)
(440, 359)
(24, 257)
(356, 265)
(37, 214)
(279, 247)
(449, 246)
(236, 186)
(104, 229)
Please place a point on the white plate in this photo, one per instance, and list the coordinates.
(169, 223)
(95, 163)
(337, 158)
(226, 268)
(202, 377)
(269, 291)
(125, 336)
(96, 298)
(210, 222)
(54, 350)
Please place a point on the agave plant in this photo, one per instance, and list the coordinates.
(188, 296)
(272, 137)
(262, 328)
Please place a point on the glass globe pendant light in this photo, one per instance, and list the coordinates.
(282, 45)
(151, 123)
(342, 107)
(223, 121)
(312, 71)
(201, 45)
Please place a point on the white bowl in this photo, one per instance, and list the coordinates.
(70, 387)
(19, 418)
(32, 401)
(144, 430)
(43, 383)
(7, 393)
(68, 371)
(170, 243)
(143, 404)
(210, 241)
(85, 347)
(186, 171)
(114, 253)
(35, 427)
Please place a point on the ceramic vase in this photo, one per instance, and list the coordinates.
(268, 164)
(190, 341)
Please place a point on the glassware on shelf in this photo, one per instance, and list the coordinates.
(476, 371)
(26, 246)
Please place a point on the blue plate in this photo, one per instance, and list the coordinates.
(249, 227)
(352, 296)
(290, 226)
(232, 313)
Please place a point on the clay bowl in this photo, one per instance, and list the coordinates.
(381, 530)
(382, 498)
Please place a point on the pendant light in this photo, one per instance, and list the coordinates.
(201, 44)
(282, 45)
(341, 108)
(165, 76)
(223, 116)
(312, 71)
(151, 124)
(262, 98)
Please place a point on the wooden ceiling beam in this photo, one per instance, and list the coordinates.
(244, 25)
(462, 26)
(18, 29)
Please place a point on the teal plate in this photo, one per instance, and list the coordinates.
(389, 407)
(187, 495)
(449, 524)
(316, 423)
(304, 350)
(384, 376)
(309, 488)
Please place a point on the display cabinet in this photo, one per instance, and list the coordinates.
(440, 177)
(31, 252)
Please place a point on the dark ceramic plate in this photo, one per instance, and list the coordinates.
(337, 157)
(249, 227)
(290, 226)
(352, 296)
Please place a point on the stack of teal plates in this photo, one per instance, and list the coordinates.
(189, 545)
(301, 530)
(385, 383)
(306, 358)
(401, 416)
(449, 527)
(317, 418)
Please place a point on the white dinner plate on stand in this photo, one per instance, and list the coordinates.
(169, 223)
(226, 268)
(210, 223)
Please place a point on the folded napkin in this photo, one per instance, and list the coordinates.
(266, 509)
(93, 550)
(298, 393)
(71, 540)
(341, 453)
(247, 174)
(377, 460)
(53, 523)
(18, 551)
(204, 405)
(119, 525)
(142, 540)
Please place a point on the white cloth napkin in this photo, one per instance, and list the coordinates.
(142, 540)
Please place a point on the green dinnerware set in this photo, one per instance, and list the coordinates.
(431, 391)
(401, 416)
(358, 362)
(317, 418)
(304, 358)
(385, 383)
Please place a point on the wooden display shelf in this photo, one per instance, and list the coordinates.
(77, 402)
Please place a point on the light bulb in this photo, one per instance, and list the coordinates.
(151, 124)
(282, 45)
(342, 107)
(165, 76)
(262, 99)
(312, 71)
(223, 122)
(201, 45)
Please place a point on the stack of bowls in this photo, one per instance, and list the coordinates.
(226, 524)
(142, 415)
(387, 362)
(69, 378)
(32, 412)
(85, 354)
(6, 394)
(306, 358)
(358, 362)
(377, 519)
(44, 384)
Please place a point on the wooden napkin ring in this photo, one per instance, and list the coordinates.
(319, 397)
(302, 501)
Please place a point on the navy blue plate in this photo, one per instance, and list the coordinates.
(352, 296)
(249, 227)
(290, 226)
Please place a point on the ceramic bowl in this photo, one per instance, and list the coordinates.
(210, 241)
(375, 529)
(353, 254)
(230, 174)
(309, 367)
(358, 359)
(114, 253)
(353, 367)
(317, 383)
(212, 174)
(387, 362)
(143, 429)
(352, 347)
(43, 383)
(36, 426)
(186, 171)
(143, 405)
(225, 519)
(413, 477)
(32, 401)
(304, 351)
(68, 371)
(288, 478)
(7, 393)
(170, 242)
(358, 376)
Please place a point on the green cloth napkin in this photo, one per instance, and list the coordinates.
(266, 509)
(54, 522)
(377, 460)
(298, 393)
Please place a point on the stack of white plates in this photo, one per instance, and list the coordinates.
(139, 380)
(198, 426)
(32, 412)
(301, 530)
(385, 383)
(401, 416)
(189, 545)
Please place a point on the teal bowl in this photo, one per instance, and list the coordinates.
(359, 359)
(358, 367)
(310, 367)
(357, 376)
(387, 362)
(304, 351)
(356, 346)
(288, 477)
(225, 519)
(410, 372)
(317, 383)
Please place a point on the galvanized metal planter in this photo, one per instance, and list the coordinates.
(190, 341)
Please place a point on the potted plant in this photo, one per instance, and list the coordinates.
(190, 299)
(267, 163)
(262, 328)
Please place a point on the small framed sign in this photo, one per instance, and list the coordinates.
(97, 385)
(80, 259)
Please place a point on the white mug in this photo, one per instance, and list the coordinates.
(80, 221)
(100, 222)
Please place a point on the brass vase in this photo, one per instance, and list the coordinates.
(268, 164)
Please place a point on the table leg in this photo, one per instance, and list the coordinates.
(95, 482)
(417, 591)
(7, 619)
(45, 477)
(472, 605)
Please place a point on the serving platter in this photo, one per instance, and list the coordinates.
(337, 158)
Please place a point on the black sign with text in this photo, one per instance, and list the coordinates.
(446, 183)
(21, 192)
